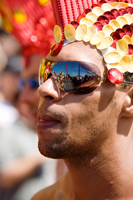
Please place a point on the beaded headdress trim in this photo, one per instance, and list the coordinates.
(108, 27)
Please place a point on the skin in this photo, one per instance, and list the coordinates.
(30, 96)
(91, 132)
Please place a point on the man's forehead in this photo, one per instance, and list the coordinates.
(78, 51)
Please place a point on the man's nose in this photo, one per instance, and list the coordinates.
(49, 89)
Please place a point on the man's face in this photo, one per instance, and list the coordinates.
(30, 95)
(71, 125)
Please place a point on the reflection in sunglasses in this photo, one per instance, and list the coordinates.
(73, 77)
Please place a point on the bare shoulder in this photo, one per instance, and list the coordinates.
(47, 193)
(59, 190)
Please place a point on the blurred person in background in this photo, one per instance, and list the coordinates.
(9, 92)
(8, 113)
(22, 170)
(20, 164)
(8, 47)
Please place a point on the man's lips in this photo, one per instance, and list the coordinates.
(46, 122)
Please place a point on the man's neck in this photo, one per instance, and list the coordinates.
(107, 176)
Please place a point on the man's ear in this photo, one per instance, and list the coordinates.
(128, 104)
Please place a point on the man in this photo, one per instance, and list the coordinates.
(87, 123)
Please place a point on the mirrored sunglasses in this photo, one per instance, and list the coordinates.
(31, 82)
(73, 77)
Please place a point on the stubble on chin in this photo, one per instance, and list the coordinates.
(55, 149)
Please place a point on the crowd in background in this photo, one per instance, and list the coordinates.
(23, 170)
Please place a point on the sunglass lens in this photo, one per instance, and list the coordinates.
(33, 83)
(73, 77)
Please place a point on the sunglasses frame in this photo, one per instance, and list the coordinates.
(48, 65)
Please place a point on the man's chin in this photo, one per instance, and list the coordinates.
(51, 150)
